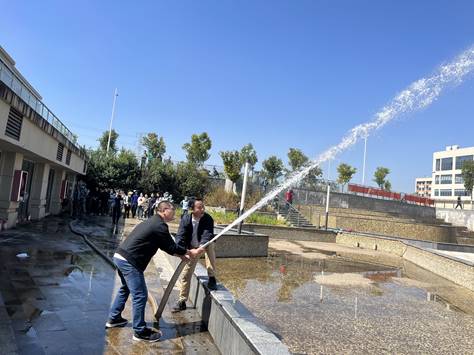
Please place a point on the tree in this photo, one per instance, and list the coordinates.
(125, 170)
(296, 159)
(345, 173)
(272, 168)
(232, 164)
(104, 139)
(197, 151)
(249, 155)
(106, 171)
(467, 174)
(192, 180)
(155, 146)
(380, 176)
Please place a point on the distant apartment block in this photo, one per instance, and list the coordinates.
(447, 182)
(423, 186)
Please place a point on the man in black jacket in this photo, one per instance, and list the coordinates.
(195, 229)
(132, 258)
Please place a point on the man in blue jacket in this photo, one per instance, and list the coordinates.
(195, 229)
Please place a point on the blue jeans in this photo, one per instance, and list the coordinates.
(133, 281)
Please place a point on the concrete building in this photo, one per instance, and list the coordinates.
(423, 186)
(40, 158)
(447, 182)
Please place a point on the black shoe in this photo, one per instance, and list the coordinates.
(113, 323)
(180, 306)
(212, 283)
(148, 335)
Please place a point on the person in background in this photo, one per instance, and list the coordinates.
(196, 229)
(132, 258)
(146, 202)
(289, 196)
(459, 204)
(134, 203)
(151, 205)
(117, 209)
(127, 200)
(140, 202)
(184, 206)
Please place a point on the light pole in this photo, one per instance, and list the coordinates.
(111, 119)
(244, 191)
(327, 205)
(365, 158)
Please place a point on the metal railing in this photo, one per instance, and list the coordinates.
(10, 79)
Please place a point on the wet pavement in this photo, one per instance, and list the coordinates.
(329, 304)
(56, 300)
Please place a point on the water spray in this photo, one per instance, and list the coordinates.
(417, 96)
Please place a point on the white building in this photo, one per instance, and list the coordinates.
(447, 180)
(39, 157)
(423, 186)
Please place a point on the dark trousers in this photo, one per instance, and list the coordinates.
(133, 281)
(115, 215)
(126, 213)
(134, 210)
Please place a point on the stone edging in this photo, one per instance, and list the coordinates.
(453, 269)
(233, 327)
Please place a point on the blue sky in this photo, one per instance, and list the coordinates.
(278, 74)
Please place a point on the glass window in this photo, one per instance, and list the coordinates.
(446, 179)
(460, 160)
(445, 192)
(436, 179)
(436, 192)
(458, 179)
(461, 192)
(438, 164)
(447, 164)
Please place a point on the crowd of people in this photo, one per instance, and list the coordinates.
(115, 203)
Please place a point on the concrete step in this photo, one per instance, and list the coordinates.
(467, 241)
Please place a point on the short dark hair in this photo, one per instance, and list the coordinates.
(163, 205)
(192, 201)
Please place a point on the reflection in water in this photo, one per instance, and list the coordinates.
(385, 316)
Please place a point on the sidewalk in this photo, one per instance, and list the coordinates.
(56, 300)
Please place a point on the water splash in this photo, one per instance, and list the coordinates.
(418, 95)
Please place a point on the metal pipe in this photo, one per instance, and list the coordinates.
(327, 205)
(111, 119)
(242, 198)
(365, 157)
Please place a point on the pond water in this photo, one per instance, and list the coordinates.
(335, 305)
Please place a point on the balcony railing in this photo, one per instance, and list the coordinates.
(10, 80)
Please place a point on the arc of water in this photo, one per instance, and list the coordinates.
(418, 95)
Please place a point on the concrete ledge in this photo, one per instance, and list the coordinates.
(460, 218)
(233, 327)
(234, 245)
(456, 270)
(292, 233)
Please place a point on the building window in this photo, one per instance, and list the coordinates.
(438, 164)
(14, 123)
(445, 192)
(437, 179)
(460, 160)
(59, 153)
(461, 192)
(446, 179)
(436, 192)
(458, 179)
(68, 157)
(447, 164)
